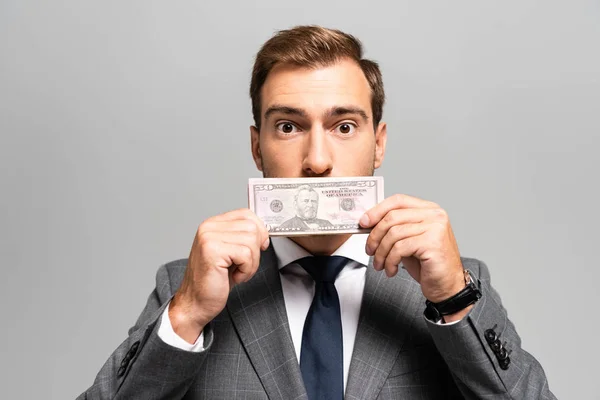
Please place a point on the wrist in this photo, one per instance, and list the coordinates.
(450, 288)
(455, 307)
(182, 319)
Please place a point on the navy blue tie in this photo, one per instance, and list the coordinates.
(321, 354)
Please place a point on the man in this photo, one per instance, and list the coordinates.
(306, 204)
(246, 316)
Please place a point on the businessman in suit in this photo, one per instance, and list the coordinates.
(395, 314)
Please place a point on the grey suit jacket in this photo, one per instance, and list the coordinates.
(398, 354)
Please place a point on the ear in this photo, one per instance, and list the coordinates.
(255, 145)
(380, 142)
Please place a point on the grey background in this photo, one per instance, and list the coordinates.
(124, 124)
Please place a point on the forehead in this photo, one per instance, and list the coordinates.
(317, 89)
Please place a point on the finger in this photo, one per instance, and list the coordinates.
(244, 213)
(240, 257)
(401, 249)
(237, 238)
(395, 234)
(262, 228)
(398, 201)
(238, 277)
(241, 214)
(395, 218)
(250, 225)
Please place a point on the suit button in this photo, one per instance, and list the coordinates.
(135, 347)
(504, 363)
(132, 350)
(490, 335)
(496, 346)
(502, 354)
(127, 358)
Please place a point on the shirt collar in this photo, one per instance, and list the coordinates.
(287, 251)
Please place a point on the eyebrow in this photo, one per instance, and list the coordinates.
(285, 110)
(338, 111)
(335, 111)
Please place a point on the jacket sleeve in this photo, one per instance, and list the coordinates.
(473, 349)
(143, 366)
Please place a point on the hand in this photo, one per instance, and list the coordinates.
(225, 252)
(418, 233)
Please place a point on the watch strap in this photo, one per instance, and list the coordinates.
(469, 295)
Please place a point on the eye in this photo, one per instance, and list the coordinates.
(346, 128)
(287, 128)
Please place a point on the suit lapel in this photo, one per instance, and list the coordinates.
(388, 311)
(257, 309)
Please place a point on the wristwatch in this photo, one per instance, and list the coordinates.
(469, 295)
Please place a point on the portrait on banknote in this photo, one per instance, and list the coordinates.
(306, 205)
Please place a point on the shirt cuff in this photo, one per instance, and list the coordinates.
(440, 322)
(168, 335)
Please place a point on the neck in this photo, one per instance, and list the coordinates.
(321, 245)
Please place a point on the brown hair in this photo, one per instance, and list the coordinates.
(312, 47)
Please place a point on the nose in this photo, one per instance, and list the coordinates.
(317, 160)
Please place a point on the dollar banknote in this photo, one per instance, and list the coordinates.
(313, 206)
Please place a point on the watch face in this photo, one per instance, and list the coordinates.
(469, 278)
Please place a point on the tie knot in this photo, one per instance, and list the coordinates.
(323, 268)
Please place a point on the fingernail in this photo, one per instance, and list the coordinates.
(364, 220)
(265, 245)
(368, 250)
(376, 265)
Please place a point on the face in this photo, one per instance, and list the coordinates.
(307, 204)
(317, 123)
